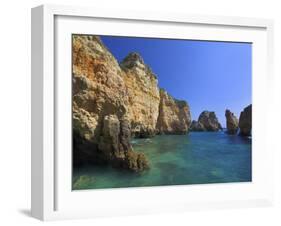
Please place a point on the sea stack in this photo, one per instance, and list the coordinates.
(245, 121)
(207, 121)
(231, 122)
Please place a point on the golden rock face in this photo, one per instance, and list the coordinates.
(174, 115)
(111, 102)
(143, 93)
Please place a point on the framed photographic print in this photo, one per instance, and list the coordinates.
(137, 112)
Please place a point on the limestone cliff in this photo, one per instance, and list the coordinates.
(143, 95)
(174, 115)
(231, 122)
(112, 102)
(245, 121)
(101, 130)
(207, 121)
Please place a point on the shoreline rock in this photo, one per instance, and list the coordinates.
(116, 146)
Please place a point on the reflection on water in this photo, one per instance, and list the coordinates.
(195, 158)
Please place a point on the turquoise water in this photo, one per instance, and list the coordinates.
(195, 158)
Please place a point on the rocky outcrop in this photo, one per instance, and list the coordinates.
(245, 121)
(207, 121)
(113, 102)
(231, 122)
(174, 115)
(116, 147)
(101, 131)
(143, 95)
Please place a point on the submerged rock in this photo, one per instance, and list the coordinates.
(245, 121)
(136, 161)
(174, 115)
(231, 122)
(207, 121)
(83, 182)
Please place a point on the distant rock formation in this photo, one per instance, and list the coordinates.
(196, 126)
(207, 121)
(245, 121)
(174, 115)
(113, 102)
(231, 122)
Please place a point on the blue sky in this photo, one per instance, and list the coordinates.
(210, 76)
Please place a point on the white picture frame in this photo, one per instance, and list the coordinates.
(52, 197)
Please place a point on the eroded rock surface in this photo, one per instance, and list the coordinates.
(174, 115)
(245, 121)
(116, 147)
(101, 128)
(143, 95)
(231, 122)
(113, 102)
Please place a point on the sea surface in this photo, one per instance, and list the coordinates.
(195, 158)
